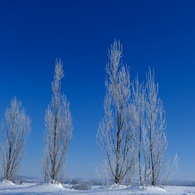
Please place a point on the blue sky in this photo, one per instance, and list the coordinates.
(159, 34)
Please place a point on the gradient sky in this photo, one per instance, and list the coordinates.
(159, 34)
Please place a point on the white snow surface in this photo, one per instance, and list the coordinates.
(50, 189)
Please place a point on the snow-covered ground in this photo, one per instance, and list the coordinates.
(46, 189)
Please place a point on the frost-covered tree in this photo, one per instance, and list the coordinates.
(140, 130)
(156, 169)
(114, 135)
(155, 116)
(152, 164)
(58, 132)
(132, 134)
(16, 128)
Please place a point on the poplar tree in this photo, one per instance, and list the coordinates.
(114, 135)
(16, 128)
(58, 131)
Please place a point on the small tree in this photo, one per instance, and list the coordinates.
(16, 128)
(58, 132)
(114, 135)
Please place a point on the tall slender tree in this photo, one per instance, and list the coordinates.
(58, 132)
(16, 128)
(140, 130)
(155, 115)
(150, 138)
(114, 135)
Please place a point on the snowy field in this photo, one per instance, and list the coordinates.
(44, 189)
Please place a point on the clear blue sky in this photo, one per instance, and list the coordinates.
(159, 34)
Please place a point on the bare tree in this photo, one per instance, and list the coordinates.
(58, 132)
(16, 128)
(114, 135)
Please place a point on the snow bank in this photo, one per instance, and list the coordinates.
(155, 189)
(56, 185)
(117, 186)
(7, 182)
(8, 188)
